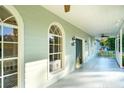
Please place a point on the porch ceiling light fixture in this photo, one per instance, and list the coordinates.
(67, 8)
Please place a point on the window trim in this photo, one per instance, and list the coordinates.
(19, 20)
(2, 59)
(50, 75)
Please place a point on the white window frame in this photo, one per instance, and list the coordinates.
(51, 75)
(2, 42)
(21, 69)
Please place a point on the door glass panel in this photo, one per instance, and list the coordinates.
(10, 81)
(10, 66)
(10, 50)
(10, 34)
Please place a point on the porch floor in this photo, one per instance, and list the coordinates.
(100, 72)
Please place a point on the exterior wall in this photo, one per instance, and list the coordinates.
(90, 49)
(36, 22)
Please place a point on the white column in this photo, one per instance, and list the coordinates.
(121, 47)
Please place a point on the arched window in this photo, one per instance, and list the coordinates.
(55, 49)
(8, 49)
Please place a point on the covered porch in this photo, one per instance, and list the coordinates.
(99, 72)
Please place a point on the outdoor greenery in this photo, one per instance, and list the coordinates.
(106, 54)
(109, 42)
(107, 47)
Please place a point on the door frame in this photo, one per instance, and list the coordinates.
(83, 48)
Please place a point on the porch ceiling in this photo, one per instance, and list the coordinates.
(93, 19)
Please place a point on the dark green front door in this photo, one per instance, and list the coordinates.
(78, 52)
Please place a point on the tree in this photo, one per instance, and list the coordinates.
(108, 42)
(111, 43)
(103, 42)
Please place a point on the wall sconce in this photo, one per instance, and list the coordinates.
(73, 41)
(85, 41)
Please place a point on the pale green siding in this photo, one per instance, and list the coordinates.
(36, 22)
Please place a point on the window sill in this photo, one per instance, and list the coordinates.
(54, 74)
(57, 71)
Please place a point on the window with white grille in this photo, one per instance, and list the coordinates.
(8, 49)
(55, 49)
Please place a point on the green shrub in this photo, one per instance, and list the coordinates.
(123, 59)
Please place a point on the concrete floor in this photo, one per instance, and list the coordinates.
(100, 72)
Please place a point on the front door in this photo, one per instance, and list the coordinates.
(78, 53)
